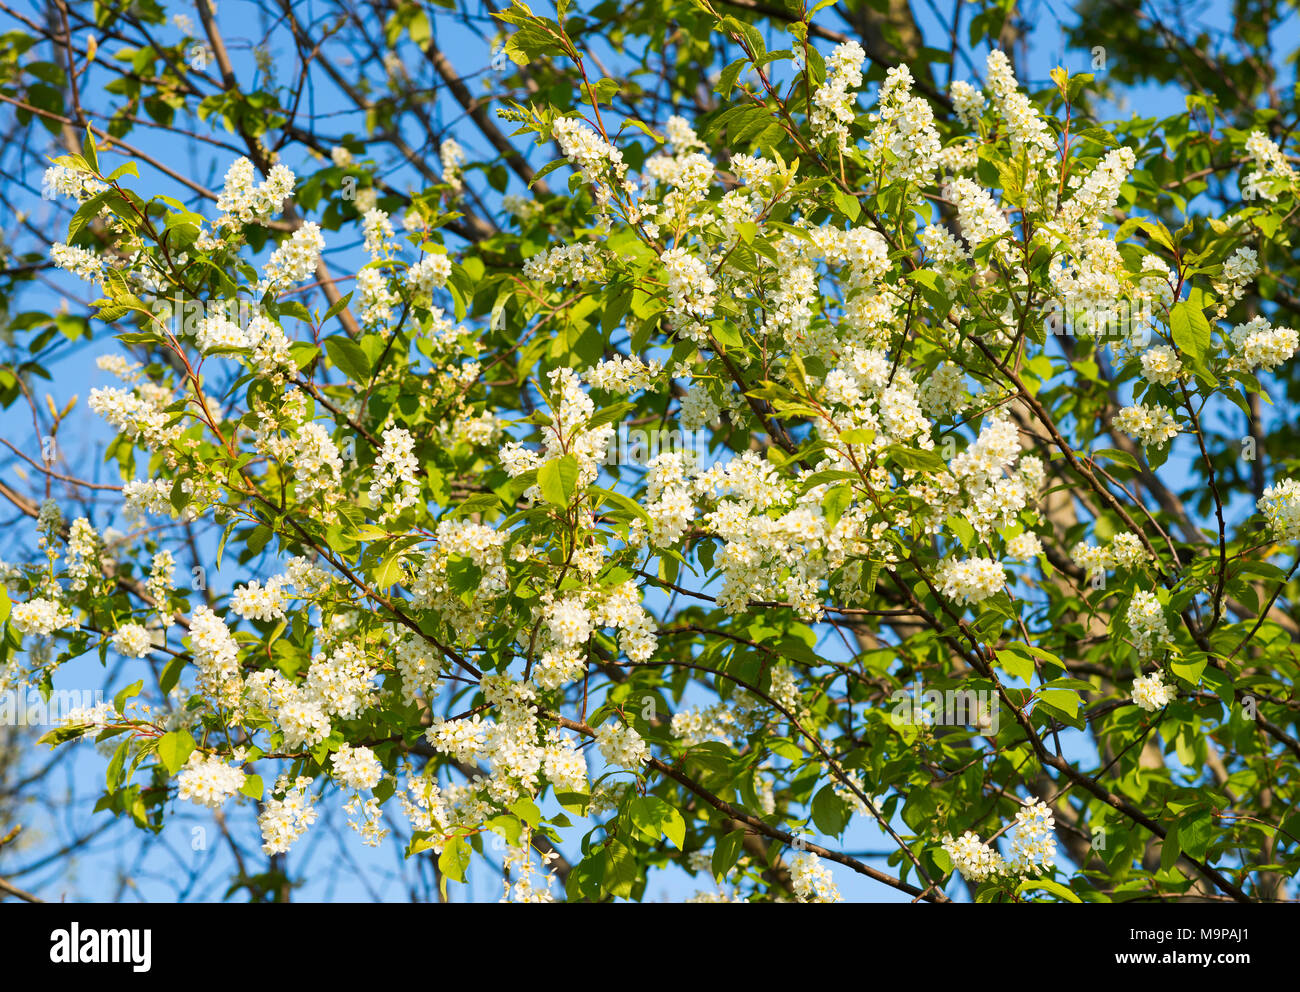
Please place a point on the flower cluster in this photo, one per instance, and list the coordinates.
(1033, 847)
(833, 101)
(356, 767)
(811, 880)
(1153, 426)
(1146, 619)
(1151, 693)
(1281, 505)
(622, 746)
(970, 580)
(208, 781)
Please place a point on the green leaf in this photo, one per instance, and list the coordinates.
(829, 812)
(1017, 665)
(1065, 700)
(846, 204)
(113, 774)
(917, 459)
(174, 748)
(725, 854)
(507, 826)
(253, 787)
(1047, 885)
(454, 859)
(133, 689)
(620, 870)
(171, 674)
(654, 817)
(558, 479)
(88, 150)
(348, 358)
(1191, 331)
(337, 307)
(527, 811)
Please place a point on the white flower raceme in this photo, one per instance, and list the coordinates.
(98, 717)
(216, 332)
(79, 261)
(1261, 345)
(1272, 171)
(83, 551)
(970, 580)
(626, 375)
(1242, 265)
(1033, 847)
(1146, 619)
(1151, 693)
(691, 292)
(271, 355)
(395, 486)
(208, 780)
(77, 185)
(944, 393)
(429, 273)
(811, 880)
(243, 202)
(1029, 132)
(260, 602)
(978, 215)
(377, 232)
(452, 157)
(833, 102)
(1125, 551)
(967, 102)
(564, 765)
(622, 746)
(1025, 546)
(141, 417)
(146, 496)
(1080, 218)
(286, 819)
(132, 640)
(295, 259)
(1239, 269)
(40, 616)
(356, 768)
(681, 136)
(217, 656)
(366, 201)
(1161, 364)
(377, 297)
(595, 157)
(1033, 843)
(1281, 505)
(975, 860)
(1151, 425)
(582, 262)
(903, 138)
(569, 621)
